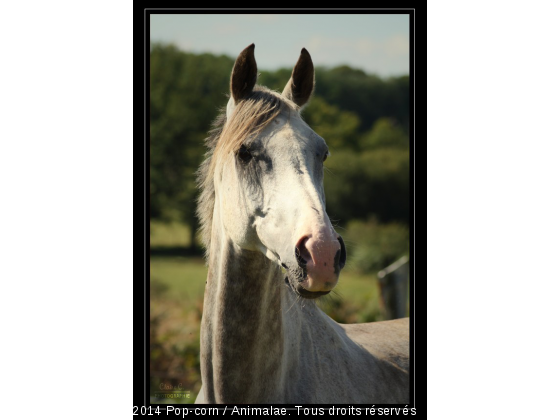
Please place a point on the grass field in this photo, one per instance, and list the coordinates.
(169, 234)
(181, 278)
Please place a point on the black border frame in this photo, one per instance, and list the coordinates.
(417, 317)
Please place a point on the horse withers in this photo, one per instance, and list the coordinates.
(262, 210)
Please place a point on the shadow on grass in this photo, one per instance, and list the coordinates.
(176, 251)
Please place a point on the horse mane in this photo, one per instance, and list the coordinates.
(250, 116)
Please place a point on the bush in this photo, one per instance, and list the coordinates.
(338, 128)
(385, 133)
(373, 246)
(360, 185)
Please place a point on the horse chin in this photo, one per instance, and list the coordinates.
(304, 293)
(301, 291)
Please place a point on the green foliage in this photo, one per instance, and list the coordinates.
(275, 80)
(385, 133)
(373, 246)
(339, 128)
(185, 92)
(367, 96)
(374, 182)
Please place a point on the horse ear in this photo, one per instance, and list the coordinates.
(244, 74)
(301, 84)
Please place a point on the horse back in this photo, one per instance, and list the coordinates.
(388, 341)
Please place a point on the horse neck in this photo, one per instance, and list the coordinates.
(242, 329)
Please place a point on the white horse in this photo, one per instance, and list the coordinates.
(262, 207)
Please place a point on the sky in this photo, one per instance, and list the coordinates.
(377, 44)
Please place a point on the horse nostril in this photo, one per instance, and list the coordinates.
(342, 260)
(300, 260)
(302, 253)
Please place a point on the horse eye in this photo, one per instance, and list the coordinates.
(244, 154)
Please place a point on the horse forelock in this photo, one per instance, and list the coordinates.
(250, 116)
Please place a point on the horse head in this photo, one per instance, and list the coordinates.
(267, 171)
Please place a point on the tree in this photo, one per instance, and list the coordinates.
(185, 92)
(338, 128)
(385, 133)
(371, 183)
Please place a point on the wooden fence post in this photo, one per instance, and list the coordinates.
(393, 281)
